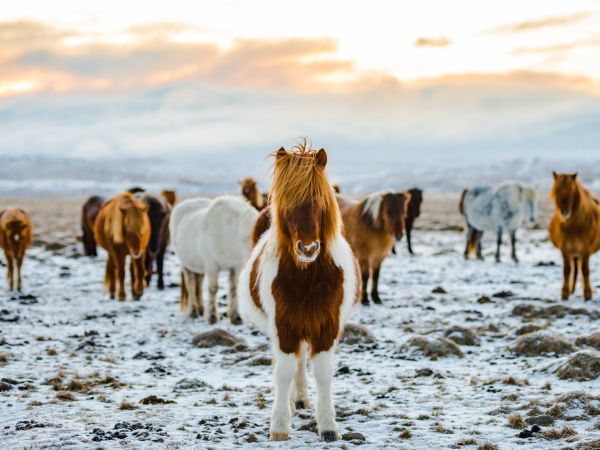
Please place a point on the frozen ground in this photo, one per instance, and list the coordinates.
(75, 365)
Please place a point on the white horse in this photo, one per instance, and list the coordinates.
(210, 236)
(500, 208)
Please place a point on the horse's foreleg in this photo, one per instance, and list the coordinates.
(137, 278)
(19, 262)
(300, 385)
(149, 264)
(120, 260)
(574, 273)
(498, 243)
(364, 273)
(283, 371)
(160, 259)
(213, 287)
(478, 239)
(109, 276)
(585, 272)
(232, 313)
(199, 305)
(322, 364)
(566, 287)
(513, 245)
(375, 283)
(9, 270)
(408, 237)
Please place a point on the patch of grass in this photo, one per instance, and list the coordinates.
(405, 433)
(564, 432)
(261, 401)
(423, 417)
(547, 386)
(488, 446)
(439, 428)
(556, 410)
(126, 406)
(597, 425)
(590, 445)
(516, 421)
(76, 385)
(65, 396)
(514, 381)
(51, 352)
(4, 358)
(465, 441)
(592, 410)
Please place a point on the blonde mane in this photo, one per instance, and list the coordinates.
(298, 179)
(117, 219)
(372, 205)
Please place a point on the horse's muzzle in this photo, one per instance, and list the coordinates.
(308, 253)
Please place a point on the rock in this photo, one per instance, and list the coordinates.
(217, 337)
(461, 336)
(540, 343)
(503, 294)
(186, 384)
(543, 420)
(353, 436)
(439, 290)
(484, 299)
(5, 386)
(357, 334)
(260, 361)
(529, 328)
(432, 348)
(528, 311)
(154, 400)
(593, 340)
(581, 366)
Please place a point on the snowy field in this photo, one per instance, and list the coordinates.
(79, 370)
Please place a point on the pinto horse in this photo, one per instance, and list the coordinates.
(299, 285)
(574, 230)
(122, 228)
(372, 226)
(251, 192)
(15, 237)
(89, 211)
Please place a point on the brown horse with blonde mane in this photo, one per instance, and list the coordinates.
(15, 237)
(122, 228)
(574, 230)
(251, 192)
(372, 226)
(299, 285)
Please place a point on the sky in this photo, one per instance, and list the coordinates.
(383, 79)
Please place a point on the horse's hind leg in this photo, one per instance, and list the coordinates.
(408, 238)
(160, 260)
(513, 245)
(478, 239)
(120, 260)
(109, 276)
(322, 364)
(199, 301)
(470, 232)
(19, 264)
(232, 313)
(188, 292)
(585, 272)
(9, 270)
(213, 287)
(498, 243)
(300, 397)
(566, 287)
(364, 272)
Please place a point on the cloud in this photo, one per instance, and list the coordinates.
(558, 48)
(152, 57)
(531, 25)
(432, 42)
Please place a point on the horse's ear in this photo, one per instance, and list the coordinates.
(321, 158)
(554, 174)
(574, 176)
(280, 153)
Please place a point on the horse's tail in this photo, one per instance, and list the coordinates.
(461, 203)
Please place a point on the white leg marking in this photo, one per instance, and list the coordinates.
(283, 371)
(322, 364)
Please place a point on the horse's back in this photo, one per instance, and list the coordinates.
(184, 226)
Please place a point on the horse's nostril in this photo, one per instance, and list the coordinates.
(300, 247)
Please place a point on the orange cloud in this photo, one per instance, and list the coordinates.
(432, 42)
(531, 25)
(558, 48)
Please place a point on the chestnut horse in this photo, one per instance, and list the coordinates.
(252, 194)
(89, 211)
(122, 228)
(15, 237)
(299, 286)
(372, 226)
(574, 230)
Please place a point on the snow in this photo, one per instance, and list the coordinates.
(378, 395)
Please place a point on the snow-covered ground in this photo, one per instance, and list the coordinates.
(73, 362)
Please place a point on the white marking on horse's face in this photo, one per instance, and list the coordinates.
(16, 238)
(565, 216)
(308, 253)
(137, 255)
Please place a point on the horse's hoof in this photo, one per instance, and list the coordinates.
(122, 298)
(193, 314)
(376, 299)
(161, 286)
(329, 436)
(236, 319)
(365, 302)
(112, 296)
(212, 319)
(302, 404)
(565, 294)
(587, 296)
(275, 436)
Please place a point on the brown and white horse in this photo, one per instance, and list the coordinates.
(15, 237)
(574, 230)
(372, 226)
(89, 212)
(122, 228)
(251, 192)
(299, 285)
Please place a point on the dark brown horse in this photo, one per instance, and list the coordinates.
(158, 213)
(89, 211)
(372, 226)
(413, 211)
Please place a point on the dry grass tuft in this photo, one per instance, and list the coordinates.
(517, 421)
(126, 406)
(564, 432)
(405, 433)
(439, 428)
(556, 410)
(488, 446)
(464, 442)
(65, 396)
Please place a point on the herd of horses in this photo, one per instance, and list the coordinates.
(300, 257)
